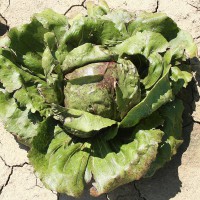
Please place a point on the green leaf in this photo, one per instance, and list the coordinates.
(97, 10)
(93, 30)
(9, 76)
(64, 89)
(154, 71)
(144, 43)
(27, 42)
(8, 53)
(160, 94)
(30, 91)
(155, 22)
(120, 18)
(114, 164)
(183, 44)
(48, 63)
(52, 71)
(85, 54)
(180, 78)
(62, 168)
(33, 62)
(79, 122)
(23, 124)
(45, 134)
(7, 105)
(128, 92)
(53, 21)
(23, 97)
(172, 128)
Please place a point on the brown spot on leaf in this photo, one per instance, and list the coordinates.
(110, 78)
(94, 192)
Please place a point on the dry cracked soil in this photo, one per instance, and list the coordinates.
(178, 180)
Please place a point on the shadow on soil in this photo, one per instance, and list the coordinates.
(3, 29)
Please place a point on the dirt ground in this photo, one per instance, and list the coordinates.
(178, 180)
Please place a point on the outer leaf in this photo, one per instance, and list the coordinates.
(97, 10)
(32, 92)
(33, 62)
(23, 124)
(54, 22)
(7, 105)
(143, 43)
(9, 76)
(180, 79)
(52, 71)
(27, 42)
(111, 132)
(51, 19)
(121, 18)
(23, 97)
(48, 62)
(155, 22)
(95, 31)
(183, 42)
(172, 113)
(45, 134)
(63, 167)
(116, 164)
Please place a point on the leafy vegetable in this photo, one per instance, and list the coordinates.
(95, 97)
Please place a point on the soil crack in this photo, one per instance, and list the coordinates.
(4, 162)
(76, 5)
(9, 176)
(157, 6)
(196, 7)
(36, 181)
(197, 37)
(12, 166)
(197, 122)
(7, 6)
(7, 181)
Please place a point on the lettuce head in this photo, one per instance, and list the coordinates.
(95, 97)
